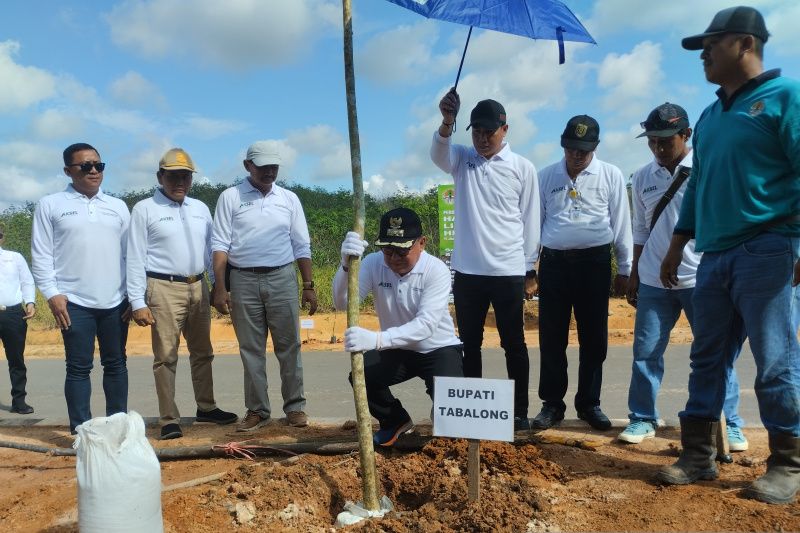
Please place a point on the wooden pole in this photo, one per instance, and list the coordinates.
(473, 470)
(363, 418)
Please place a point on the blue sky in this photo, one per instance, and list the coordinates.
(137, 77)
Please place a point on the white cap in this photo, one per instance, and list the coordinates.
(263, 153)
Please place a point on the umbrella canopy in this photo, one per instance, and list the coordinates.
(536, 19)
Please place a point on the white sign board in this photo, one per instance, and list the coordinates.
(473, 408)
(306, 323)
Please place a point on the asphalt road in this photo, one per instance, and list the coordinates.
(330, 397)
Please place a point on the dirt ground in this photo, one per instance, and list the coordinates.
(568, 479)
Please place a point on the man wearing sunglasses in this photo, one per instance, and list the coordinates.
(259, 233)
(416, 338)
(169, 251)
(17, 305)
(78, 249)
(496, 237)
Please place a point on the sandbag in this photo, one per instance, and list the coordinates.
(119, 477)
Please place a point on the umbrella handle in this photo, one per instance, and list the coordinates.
(560, 38)
(462, 57)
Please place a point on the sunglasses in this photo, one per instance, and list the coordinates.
(87, 167)
(389, 251)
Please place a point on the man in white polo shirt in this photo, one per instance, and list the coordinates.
(416, 337)
(496, 237)
(169, 250)
(78, 250)
(17, 305)
(259, 231)
(584, 212)
(657, 193)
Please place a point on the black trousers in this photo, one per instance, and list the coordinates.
(13, 330)
(472, 295)
(578, 280)
(382, 369)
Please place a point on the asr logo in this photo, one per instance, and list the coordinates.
(245, 204)
(165, 219)
(649, 189)
(471, 165)
(580, 130)
(558, 189)
(68, 214)
(385, 284)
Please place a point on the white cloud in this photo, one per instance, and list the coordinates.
(207, 128)
(327, 145)
(623, 149)
(133, 89)
(783, 27)
(237, 34)
(21, 86)
(57, 124)
(28, 171)
(629, 79)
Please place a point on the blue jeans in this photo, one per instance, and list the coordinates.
(112, 334)
(657, 312)
(748, 288)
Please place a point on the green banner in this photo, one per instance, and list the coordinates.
(447, 220)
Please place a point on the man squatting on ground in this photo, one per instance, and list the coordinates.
(78, 251)
(657, 192)
(496, 237)
(259, 231)
(741, 206)
(169, 250)
(584, 212)
(411, 290)
(17, 306)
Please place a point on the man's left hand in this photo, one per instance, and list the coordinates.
(531, 288)
(30, 310)
(620, 285)
(309, 297)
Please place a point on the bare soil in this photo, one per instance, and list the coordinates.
(568, 479)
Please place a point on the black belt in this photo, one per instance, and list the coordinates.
(258, 270)
(179, 279)
(577, 252)
(17, 307)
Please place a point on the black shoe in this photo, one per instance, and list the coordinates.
(522, 424)
(547, 418)
(595, 417)
(22, 409)
(171, 431)
(217, 416)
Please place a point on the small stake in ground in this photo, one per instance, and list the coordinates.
(474, 470)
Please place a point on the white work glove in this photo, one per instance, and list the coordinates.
(358, 339)
(353, 245)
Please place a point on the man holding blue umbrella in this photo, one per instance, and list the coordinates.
(496, 237)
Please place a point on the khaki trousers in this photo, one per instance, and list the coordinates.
(180, 308)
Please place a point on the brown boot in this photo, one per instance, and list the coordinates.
(782, 480)
(698, 439)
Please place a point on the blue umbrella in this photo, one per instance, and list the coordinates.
(537, 19)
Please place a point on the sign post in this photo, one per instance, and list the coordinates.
(474, 409)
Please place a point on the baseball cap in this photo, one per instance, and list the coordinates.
(739, 19)
(582, 133)
(399, 227)
(488, 114)
(665, 121)
(176, 159)
(263, 153)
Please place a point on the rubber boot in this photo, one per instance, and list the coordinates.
(782, 479)
(698, 439)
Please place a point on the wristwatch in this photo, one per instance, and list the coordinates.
(308, 284)
(530, 274)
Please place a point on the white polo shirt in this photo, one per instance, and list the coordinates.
(78, 247)
(496, 207)
(16, 282)
(412, 309)
(168, 238)
(260, 230)
(596, 213)
(649, 184)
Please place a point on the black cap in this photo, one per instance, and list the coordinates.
(399, 227)
(739, 19)
(488, 114)
(582, 133)
(665, 121)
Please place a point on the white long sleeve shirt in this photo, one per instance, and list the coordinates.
(596, 213)
(649, 184)
(413, 309)
(496, 208)
(260, 230)
(16, 282)
(168, 238)
(78, 247)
